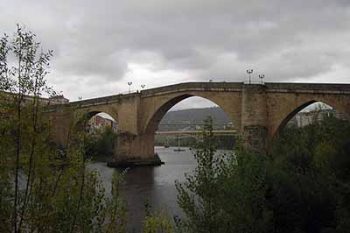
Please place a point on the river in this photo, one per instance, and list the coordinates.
(155, 185)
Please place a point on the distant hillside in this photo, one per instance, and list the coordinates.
(189, 118)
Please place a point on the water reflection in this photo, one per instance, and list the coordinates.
(154, 185)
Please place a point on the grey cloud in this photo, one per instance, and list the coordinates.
(286, 40)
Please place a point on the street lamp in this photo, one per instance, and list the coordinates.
(261, 76)
(249, 71)
(129, 83)
(143, 86)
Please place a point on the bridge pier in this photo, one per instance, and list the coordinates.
(134, 150)
(254, 121)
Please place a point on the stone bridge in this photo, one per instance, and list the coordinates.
(258, 112)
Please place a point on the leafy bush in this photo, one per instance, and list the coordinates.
(302, 185)
(101, 143)
(40, 191)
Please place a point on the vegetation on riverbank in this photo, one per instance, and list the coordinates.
(43, 189)
(302, 185)
(101, 144)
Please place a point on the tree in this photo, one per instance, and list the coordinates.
(26, 77)
(40, 191)
(302, 185)
(157, 222)
(101, 143)
(199, 195)
(310, 166)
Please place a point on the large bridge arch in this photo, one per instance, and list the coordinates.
(155, 109)
(152, 123)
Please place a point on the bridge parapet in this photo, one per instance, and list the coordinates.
(330, 88)
(194, 86)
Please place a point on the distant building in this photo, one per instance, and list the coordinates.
(302, 119)
(58, 99)
(98, 122)
(229, 125)
(198, 127)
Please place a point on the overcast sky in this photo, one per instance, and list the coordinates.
(101, 45)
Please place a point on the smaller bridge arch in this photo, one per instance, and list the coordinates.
(81, 118)
(285, 109)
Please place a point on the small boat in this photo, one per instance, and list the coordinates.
(179, 149)
(166, 144)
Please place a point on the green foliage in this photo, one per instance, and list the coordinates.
(301, 186)
(116, 207)
(41, 188)
(157, 222)
(199, 195)
(101, 143)
(311, 168)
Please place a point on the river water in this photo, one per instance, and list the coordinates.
(153, 185)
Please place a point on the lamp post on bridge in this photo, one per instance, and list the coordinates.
(262, 76)
(143, 86)
(129, 83)
(249, 72)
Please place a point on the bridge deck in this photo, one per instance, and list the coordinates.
(225, 86)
